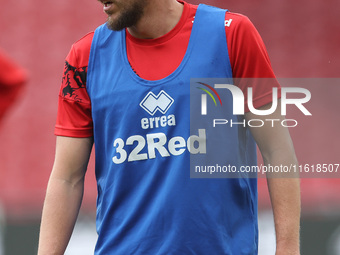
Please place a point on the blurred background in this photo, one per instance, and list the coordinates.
(302, 39)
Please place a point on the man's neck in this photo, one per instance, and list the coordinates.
(160, 17)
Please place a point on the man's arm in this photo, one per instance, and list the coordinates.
(277, 148)
(64, 194)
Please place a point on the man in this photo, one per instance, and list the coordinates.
(126, 88)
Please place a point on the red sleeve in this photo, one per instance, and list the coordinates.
(12, 79)
(249, 60)
(74, 108)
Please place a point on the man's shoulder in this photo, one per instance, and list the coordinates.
(238, 23)
(80, 51)
(238, 18)
(84, 43)
(233, 19)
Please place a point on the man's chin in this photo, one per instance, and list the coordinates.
(120, 20)
(113, 24)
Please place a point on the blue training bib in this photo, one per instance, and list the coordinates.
(147, 203)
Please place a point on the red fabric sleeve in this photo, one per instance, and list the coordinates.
(74, 108)
(12, 79)
(249, 60)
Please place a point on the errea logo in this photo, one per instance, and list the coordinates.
(152, 103)
(162, 103)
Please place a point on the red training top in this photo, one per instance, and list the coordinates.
(154, 59)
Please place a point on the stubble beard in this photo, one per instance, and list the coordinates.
(128, 17)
